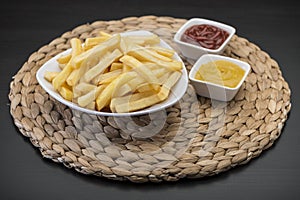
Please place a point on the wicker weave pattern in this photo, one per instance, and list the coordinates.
(200, 137)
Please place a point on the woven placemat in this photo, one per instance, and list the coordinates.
(198, 137)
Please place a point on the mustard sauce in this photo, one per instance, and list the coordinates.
(221, 72)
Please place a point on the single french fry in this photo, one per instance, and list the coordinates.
(64, 59)
(103, 99)
(76, 47)
(91, 42)
(130, 45)
(90, 96)
(49, 76)
(166, 87)
(145, 56)
(83, 88)
(102, 65)
(123, 90)
(160, 72)
(123, 45)
(91, 105)
(131, 97)
(107, 77)
(146, 87)
(137, 104)
(151, 65)
(163, 51)
(76, 94)
(143, 40)
(116, 66)
(73, 77)
(66, 93)
(156, 55)
(126, 68)
(126, 99)
(102, 33)
(63, 75)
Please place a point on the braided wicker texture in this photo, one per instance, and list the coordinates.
(200, 137)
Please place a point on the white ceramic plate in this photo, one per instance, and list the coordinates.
(175, 95)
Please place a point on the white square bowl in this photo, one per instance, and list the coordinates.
(177, 91)
(194, 51)
(215, 91)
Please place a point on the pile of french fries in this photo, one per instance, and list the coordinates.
(114, 73)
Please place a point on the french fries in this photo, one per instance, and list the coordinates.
(49, 76)
(116, 73)
(67, 70)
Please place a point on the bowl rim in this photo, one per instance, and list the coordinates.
(72, 105)
(199, 63)
(202, 21)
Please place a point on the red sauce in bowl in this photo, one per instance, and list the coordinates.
(204, 35)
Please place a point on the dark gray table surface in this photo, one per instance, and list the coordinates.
(25, 26)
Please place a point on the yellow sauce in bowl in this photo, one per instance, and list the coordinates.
(221, 72)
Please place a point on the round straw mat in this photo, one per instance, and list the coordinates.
(199, 137)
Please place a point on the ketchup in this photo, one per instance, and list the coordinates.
(205, 35)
